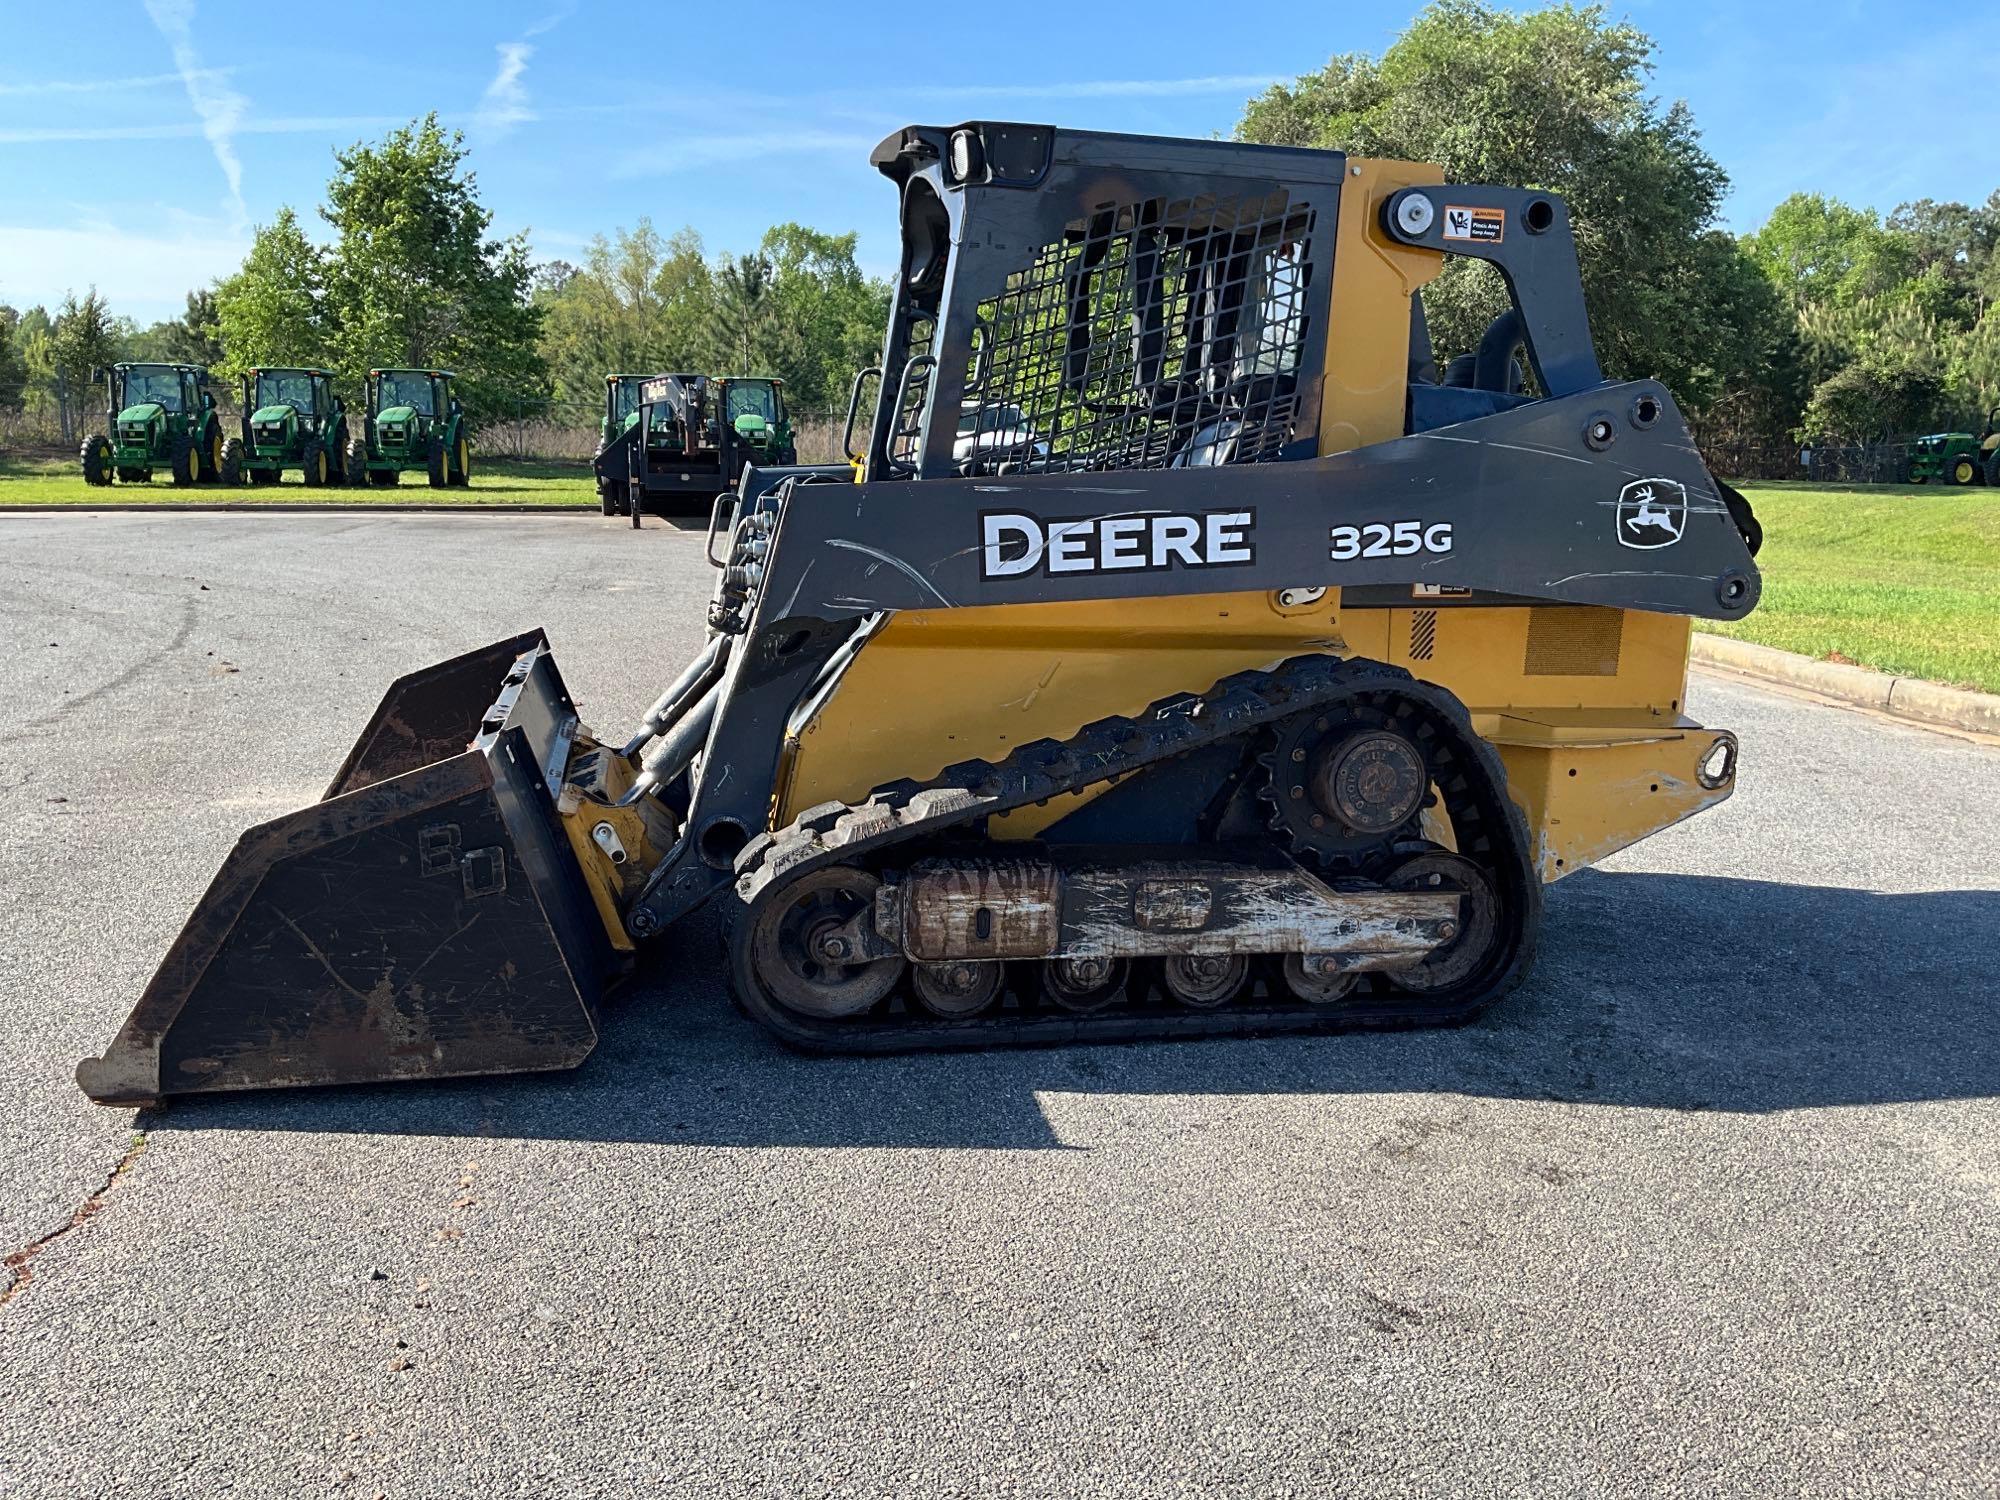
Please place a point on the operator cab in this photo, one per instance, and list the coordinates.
(172, 390)
(293, 388)
(411, 388)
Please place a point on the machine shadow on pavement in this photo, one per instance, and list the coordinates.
(1656, 991)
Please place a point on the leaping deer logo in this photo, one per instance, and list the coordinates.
(1651, 513)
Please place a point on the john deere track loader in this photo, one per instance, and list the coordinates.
(1256, 681)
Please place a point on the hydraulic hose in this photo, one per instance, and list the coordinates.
(699, 676)
(677, 748)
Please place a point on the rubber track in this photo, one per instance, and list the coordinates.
(972, 791)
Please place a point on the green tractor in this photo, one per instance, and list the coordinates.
(412, 422)
(755, 411)
(160, 417)
(293, 420)
(621, 407)
(1958, 457)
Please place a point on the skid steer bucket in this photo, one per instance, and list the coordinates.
(425, 919)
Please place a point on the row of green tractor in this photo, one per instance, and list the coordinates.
(163, 417)
(1959, 458)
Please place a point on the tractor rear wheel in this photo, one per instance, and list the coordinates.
(1993, 468)
(186, 460)
(357, 462)
(385, 479)
(134, 476)
(208, 456)
(95, 455)
(439, 467)
(231, 468)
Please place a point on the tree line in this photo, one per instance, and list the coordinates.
(409, 274)
(1830, 322)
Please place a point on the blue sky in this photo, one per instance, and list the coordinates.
(139, 162)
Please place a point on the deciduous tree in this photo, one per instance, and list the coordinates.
(414, 278)
(82, 341)
(1556, 99)
(274, 310)
(13, 368)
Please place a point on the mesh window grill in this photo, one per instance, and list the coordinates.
(1164, 333)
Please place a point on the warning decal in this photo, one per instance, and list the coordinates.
(1483, 224)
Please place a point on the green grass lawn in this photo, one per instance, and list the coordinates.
(1906, 580)
(494, 482)
(1902, 579)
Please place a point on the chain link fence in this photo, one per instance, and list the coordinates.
(55, 419)
(1822, 463)
(555, 432)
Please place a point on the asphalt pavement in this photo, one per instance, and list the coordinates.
(1711, 1206)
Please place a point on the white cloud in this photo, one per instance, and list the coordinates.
(712, 150)
(505, 102)
(551, 21)
(219, 106)
(144, 276)
(101, 85)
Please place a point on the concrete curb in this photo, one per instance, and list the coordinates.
(1906, 697)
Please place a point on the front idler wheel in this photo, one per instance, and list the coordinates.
(802, 955)
(958, 988)
(1462, 956)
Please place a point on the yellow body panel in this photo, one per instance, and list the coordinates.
(1584, 704)
(1368, 359)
